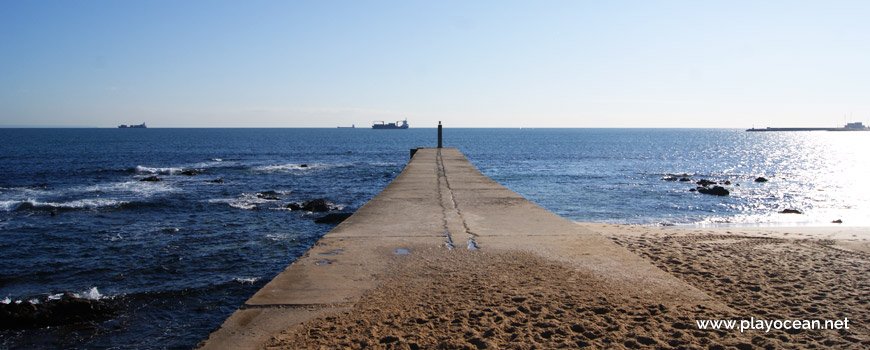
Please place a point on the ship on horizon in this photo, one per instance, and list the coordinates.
(856, 126)
(132, 126)
(380, 125)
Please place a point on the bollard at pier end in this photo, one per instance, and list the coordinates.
(439, 134)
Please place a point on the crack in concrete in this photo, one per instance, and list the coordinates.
(452, 207)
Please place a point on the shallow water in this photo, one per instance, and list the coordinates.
(179, 255)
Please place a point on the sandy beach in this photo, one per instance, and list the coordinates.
(503, 299)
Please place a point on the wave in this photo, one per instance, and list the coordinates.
(163, 171)
(287, 167)
(90, 203)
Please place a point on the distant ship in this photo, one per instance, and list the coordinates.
(131, 126)
(856, 126)
(352, 126)
(401, 124)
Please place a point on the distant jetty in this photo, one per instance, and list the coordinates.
(132, 126)
(856, 126)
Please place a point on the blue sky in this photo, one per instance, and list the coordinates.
(466, 63)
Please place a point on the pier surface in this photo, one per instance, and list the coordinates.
(439, 201)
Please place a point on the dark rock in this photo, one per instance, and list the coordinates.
(693, 190)
(727, 182)
(303, 165)
(269, 196)
(332, 218)
(318, 205)
(66, 310)
(685, 179)
(294, 206)
(716, 190)
(705, 183)
(670, 178)
(53, 213)
(152, 178)
(760, 179)
(190, 172)
(215, 181)
(838, 221)
(791, 211)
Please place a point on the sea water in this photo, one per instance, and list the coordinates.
(179, 255)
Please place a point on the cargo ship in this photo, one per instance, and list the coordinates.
(856, 126)
(401, 124)
(131, 126)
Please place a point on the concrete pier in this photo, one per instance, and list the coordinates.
(439, 201)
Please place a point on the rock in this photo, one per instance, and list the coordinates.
(190, 172)
(716, 190)
(269, 196)
(760, 179)
(705, 183)
(215, 181)
(66, 310)
(332, 218)
(293, 206)
(303, 165)
(790, 211)
(685, 179)
(693, 190)
(318, 205)
(152, 178)
(727, 182)
(670, 178)
(838, 221)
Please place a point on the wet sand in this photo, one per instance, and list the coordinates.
(510, 299)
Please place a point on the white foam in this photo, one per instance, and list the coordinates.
(286, 167)
(248, 280)
(55, 296)
(9, 205)
(6, 301)
(154, 170)
(245, 201)
(88, 203)
(90, 294)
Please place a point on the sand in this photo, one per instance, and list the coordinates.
(505, 299)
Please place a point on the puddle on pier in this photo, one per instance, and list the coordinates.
(471, 244)
(402, 251)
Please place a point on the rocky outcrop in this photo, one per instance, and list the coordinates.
(269, 196)
(715, 190)
(791, 211)
(152, 178)
(318, 205)
(190, 172)
(705, 182)
(315, 205)
(760, 179)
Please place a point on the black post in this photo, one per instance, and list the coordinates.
(439, 134)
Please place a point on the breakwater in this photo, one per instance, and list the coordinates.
(440, 201)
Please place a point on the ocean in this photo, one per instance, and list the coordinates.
(175, 257)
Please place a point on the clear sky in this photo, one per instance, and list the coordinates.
(468, 63)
